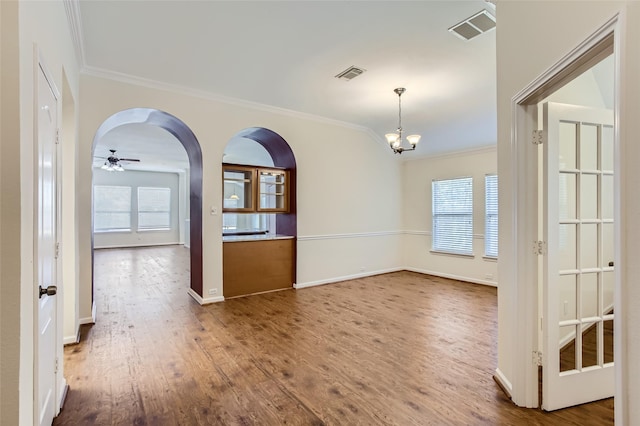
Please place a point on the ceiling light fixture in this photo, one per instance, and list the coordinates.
(113, 163)
(395, 139)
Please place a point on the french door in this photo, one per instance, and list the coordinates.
(578, 274)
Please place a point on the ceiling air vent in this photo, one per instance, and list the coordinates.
(475, 25)
(350, 73)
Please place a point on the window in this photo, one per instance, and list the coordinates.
(491, 216)
(154, 208)
(111, 208)
(452, 202)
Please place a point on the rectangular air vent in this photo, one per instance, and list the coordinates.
(350, 73)
(475, 25)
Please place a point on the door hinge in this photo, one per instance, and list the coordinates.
(537, 137)
(57, 250)
(56, 367)
(540, 248)
(537, 358)
(57, 136)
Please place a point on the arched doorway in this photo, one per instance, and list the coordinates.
(185, 136)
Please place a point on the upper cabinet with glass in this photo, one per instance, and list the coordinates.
(238, 187)
(273, 190)
(255, 189)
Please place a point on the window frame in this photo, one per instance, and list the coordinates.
(437, 245)
(139, 211)
(96, 190)
(491, 230)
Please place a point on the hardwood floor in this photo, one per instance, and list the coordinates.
(394, 349)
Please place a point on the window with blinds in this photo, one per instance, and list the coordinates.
(452, 202)
(491, 216)
(111, 208)
(154, 208)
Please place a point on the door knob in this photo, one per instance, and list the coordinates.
(49, 291)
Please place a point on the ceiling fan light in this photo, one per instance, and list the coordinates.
(105, 166)
(118, 168)
(413, 139)
(234, 197)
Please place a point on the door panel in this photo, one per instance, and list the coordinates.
(46, 252)
(578, 276)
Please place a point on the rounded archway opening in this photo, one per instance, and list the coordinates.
(179, 130)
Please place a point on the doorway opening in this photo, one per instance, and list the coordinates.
(567, 146)
(159, 216)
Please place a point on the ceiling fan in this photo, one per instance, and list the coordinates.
(113, 162)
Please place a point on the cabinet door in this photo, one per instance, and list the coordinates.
(238, 189)
(273, 194)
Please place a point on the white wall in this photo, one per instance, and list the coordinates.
(417, 215)
(134, 237)
(24, 24)
(525, 51)
(347, 181)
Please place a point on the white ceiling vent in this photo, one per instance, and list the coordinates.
(350, 73)
(475, 25)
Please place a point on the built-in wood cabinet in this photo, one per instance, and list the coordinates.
(248, 189)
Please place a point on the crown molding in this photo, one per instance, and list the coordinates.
(202, 94)
(460, 153)
(72, 9)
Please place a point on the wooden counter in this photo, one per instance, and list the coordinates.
(256, 265)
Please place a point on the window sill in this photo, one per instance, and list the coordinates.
(153, 230)
(448, 253)
(112, 231)
(490, 258)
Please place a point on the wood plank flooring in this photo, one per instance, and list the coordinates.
(394, 349)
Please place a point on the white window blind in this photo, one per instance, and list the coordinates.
(491, 216)
(154, 208)
(452, 202)
(111, 208)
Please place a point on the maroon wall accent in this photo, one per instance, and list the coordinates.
(186, 137)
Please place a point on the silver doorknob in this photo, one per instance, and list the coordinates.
(49, 291)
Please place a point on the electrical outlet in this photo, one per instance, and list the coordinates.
(362, 268)
(213, 292)
(488, 276)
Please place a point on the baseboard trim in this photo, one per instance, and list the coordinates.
(64, 391)
(502, 381)
(136, 245)
(298, 286)
(204, 301)
(89, 320)
(71, 340)
(453, 277)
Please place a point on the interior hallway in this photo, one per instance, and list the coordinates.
(400, 349)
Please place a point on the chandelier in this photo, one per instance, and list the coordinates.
(395, 139)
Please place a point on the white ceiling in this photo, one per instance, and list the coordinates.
(286, 54)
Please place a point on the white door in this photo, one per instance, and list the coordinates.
(578, 268)
(46, 353)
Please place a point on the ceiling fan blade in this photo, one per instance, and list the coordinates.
(128, 159)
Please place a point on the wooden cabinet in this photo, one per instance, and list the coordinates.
(248, 189)
(257, 266)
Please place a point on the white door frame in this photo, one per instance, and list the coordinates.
(524, 224)
(60, 385)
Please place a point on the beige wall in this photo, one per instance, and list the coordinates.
(417, 217)
(347, 181)
(525, 51)
(24, 24)
(9, 215)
